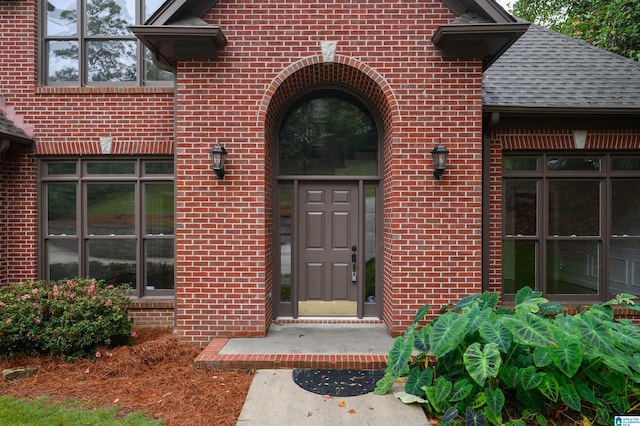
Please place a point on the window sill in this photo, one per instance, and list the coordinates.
(152, 304)
(115, 90)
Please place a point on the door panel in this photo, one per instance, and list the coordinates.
(328, 215)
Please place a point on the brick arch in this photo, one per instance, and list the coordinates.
(343, 70)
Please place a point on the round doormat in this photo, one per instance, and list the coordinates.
(337, 382)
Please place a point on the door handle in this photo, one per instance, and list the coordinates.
(354, 258)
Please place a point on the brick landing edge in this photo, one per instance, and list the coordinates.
(211, 357)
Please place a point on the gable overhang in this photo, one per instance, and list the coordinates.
(171, 43)
(489, 9)
(526, 117)
(487, 41)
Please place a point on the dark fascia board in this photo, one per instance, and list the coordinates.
(15, 138)
(561, 118)
(175, 10)
(488, 9)
(486, 41)
(169, 43)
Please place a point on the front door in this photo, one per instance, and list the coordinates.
(328, 258)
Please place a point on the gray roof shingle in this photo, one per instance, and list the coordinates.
(545, 69)
(8, 130)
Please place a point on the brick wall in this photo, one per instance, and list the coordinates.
(63, 121)
(432, 240)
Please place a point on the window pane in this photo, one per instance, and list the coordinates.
(579, 163)
(62, 259)
(520, 207)
(573, 267)
(111, 61)
(158, 168)
(520, 163)
(151, 6)
(370, 245)
(518, 265)
(626, 163)
(61, 208)
(63, 61)
(286, 200)
(625, 266)
(625, 207)
(152, 72)
(574, 207)
(160, 264)
(62, 17)
(111, 168)
(61, 168)
(158, 208)
(110, 209)
(113, 260)
(110, 17)
(328, 133)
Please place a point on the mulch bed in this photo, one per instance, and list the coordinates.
(155, 376)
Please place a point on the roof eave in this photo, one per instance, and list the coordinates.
(487, 8)
(173, 10)
(170, 43)
(561, 117)
(486, 41)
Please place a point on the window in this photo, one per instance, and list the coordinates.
(571, 225)
(88, 42)
(110, 220)
(328, 132)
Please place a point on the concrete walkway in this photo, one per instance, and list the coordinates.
(275, 399)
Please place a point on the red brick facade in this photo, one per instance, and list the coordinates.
(432, 234)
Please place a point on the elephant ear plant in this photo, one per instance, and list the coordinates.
(478, 364)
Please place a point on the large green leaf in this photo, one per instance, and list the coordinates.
(616, 363)
(626, 335)
(495, 399)
(409, 398)
(489, 300)
(466, 302)
(530, 377)
(569, 396)
(568, 355)
(526, 293)
(549, 387)
(447, 333)
(551, 308)
(421, 339)
(417, 380)
(385, 384)
(594, 332)
(529, 329)
(461, 389)
(477, 316)
(482, 363)
(496, 332)
(438, 393)
(585, 391)
(399, 355)
(542, 357)
(474, 418)
(421, 313)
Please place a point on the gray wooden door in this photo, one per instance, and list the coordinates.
(328, 257)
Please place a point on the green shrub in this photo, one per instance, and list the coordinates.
(69, 318)
(534, 359)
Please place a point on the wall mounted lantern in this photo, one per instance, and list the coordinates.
(439, 154)
(218, 155)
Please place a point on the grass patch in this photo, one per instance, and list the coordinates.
(36, 412)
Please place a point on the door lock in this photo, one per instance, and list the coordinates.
(354, 277)
(354, 259)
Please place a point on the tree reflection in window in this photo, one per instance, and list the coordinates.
(328, 132)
